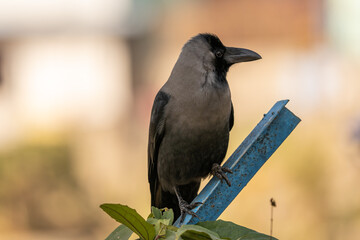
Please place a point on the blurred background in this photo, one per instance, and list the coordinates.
(77, 82)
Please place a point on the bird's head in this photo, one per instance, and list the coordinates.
(208, 51)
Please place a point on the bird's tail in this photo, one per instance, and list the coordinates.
(162, 199)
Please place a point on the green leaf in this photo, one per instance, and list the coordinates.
(168, 214)
(156, 212)
(157, 223)
(195, 235)
(131, 219)
(172, 228)
(233, 231)
(122, 232)
(164, 213)
(162, 230)
(170, 234)
(195, 232)
(162, 220)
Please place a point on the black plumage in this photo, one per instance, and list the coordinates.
(191, 118)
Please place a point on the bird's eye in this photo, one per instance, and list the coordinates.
(218, 54)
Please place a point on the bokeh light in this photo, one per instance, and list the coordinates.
(77, 82)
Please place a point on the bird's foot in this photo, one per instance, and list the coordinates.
(220, 171)
(186, 208)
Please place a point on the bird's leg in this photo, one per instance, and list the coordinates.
(184, 206)
(220, 171)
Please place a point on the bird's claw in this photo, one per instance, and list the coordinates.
(186, 208)
(220, 171)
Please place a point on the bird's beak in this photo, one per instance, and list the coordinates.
(236, 55)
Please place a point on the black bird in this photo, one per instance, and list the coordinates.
(191, 118)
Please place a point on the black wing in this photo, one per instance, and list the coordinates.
(156, 133)
(231, 119)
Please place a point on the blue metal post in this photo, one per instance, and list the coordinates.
(247, 159)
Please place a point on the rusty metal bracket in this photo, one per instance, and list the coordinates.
(247, 159)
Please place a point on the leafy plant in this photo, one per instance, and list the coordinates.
(159, 226)
(130, 218)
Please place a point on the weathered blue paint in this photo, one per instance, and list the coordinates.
(247, 159)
